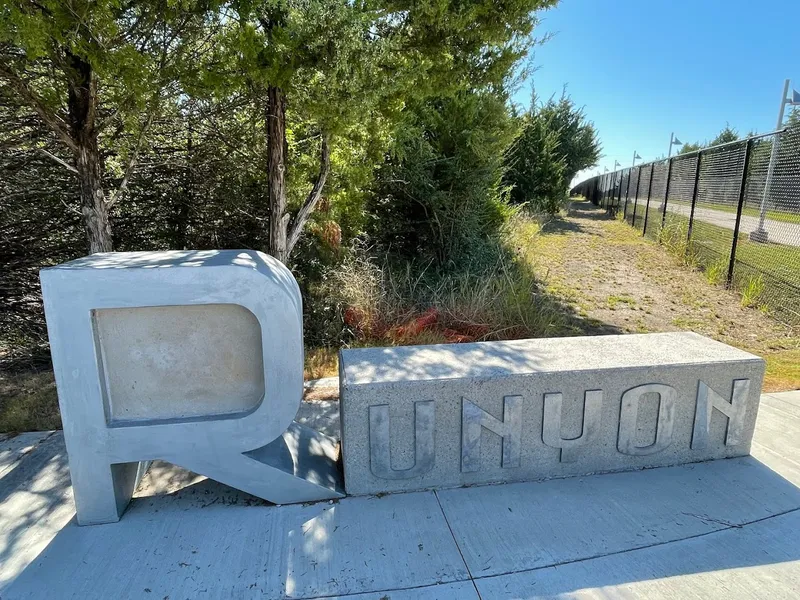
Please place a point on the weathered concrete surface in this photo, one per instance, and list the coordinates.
(175, 362)
(431, 417)
(724, 529)
(149, 348)
(759, 560)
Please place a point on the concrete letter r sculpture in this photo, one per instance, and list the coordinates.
(193, 357)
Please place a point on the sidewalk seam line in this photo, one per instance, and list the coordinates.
(455, 541)
(656, 545)
(398, 589)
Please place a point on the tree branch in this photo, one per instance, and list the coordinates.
(313, 196)
(53, 157)
(131, 163)
(52, 120)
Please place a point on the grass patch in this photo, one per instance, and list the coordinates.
(716, 271)
(28, 402)
(688, 323)
(321, 362)
(752, 290)
(783, 371)
(614, 301)
(767, 275)
(750, 211)
(386, 304)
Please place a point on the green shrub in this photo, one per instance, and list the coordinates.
(554, 142)
(438, 197)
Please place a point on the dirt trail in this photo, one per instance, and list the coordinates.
(614, 275)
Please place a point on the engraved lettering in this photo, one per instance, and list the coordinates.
(734, 410)
(629, 413)
(551, 423)
(380, 442)
(473, 418)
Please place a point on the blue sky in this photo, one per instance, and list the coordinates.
(644, 69)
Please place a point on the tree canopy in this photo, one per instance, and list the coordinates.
(300, 127)
(726, 134)
(555, 142)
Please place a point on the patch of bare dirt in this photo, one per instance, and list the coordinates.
(616, 276)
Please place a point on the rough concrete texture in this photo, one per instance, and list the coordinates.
(722, 529)
(108, 320)
(631, 431)
(172, 362)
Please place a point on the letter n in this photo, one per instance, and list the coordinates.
(473, 418)
(734, 410)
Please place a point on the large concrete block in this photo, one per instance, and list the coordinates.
(451, 415)
(193, 357)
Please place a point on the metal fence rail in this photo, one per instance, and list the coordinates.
(733, 210)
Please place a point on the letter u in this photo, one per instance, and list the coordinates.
(380, 442)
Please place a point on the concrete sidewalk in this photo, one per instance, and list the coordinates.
(780, 232)
(724, 529)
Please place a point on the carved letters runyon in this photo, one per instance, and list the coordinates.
(533, 409)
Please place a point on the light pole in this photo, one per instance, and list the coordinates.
(760, 234)
(673, 141)
(614, 178)
(635, 158)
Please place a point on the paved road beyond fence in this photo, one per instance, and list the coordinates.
(733, 209)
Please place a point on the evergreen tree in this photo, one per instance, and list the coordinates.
(90, 69)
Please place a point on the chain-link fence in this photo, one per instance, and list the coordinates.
(733, 210)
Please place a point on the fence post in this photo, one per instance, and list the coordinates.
(666, 196)
(614, 195)
(627, 194)
(647, 206)
(694, 198)
(742, 193)
(596, 196)
(619, 197)
(597, 185)
(636, 197)
(599, 190)
(602, 190)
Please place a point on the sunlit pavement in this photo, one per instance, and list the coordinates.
(780, 232)
(724, 529)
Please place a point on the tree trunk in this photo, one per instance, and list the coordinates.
(276, 172)
(313, 196)
(186, 198)
(82, 104)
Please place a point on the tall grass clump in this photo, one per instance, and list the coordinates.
(752, 290)
(385, 302)
(674, 236)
